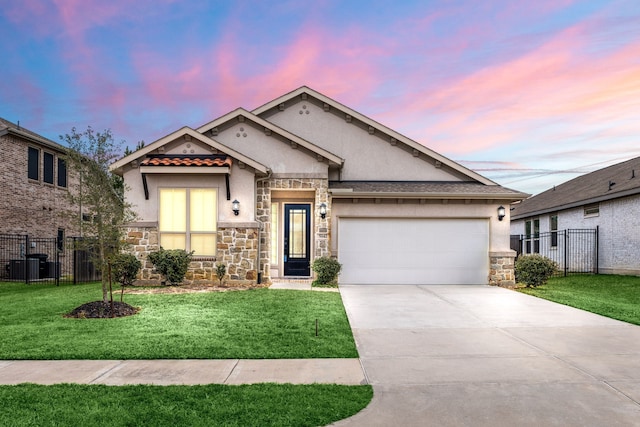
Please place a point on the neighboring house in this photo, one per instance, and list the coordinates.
(607, 199)
(34, 183)
(267, 191)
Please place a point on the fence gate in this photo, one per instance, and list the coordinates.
(574, 250)
(50, 260)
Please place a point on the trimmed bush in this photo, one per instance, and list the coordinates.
(171, 263)
(327, 270)
(534, 270)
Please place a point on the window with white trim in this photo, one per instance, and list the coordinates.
(592, 210)
(188, 219)
(553, 226)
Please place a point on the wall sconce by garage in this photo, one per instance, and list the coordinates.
(235, 207)
(323, 211)
(501, 213)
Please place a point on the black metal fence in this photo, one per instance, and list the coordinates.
(574, 250)
(50, 260)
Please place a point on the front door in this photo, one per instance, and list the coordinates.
(297, 239)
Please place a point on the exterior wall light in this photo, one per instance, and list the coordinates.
(235, 207)
(323, 211)
(501, 213)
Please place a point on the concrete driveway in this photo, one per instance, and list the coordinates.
(487, 356)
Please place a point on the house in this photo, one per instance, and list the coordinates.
(607, 200)
(34, 183)
(267, 191)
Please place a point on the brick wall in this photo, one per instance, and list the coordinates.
(28, 206)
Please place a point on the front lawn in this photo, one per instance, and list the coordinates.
(204, 405)
(613, 296)
(261, 324)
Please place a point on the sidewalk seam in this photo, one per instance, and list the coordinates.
(231, 371)
(120, 363)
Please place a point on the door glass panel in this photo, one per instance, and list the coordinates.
(297, 233)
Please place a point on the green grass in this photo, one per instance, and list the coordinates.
(207, 405)
(249, 324)
(613, 296)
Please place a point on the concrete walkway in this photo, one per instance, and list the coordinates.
(184, 372)
(487, 356)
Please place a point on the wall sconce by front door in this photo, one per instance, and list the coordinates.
(501, 213)
(323, 211)
(235, 207)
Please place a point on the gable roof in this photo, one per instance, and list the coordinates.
(398, 137)
(9, 128)
(244, 114)
(148, 149)
(619, 180)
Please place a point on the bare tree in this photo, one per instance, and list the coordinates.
(100, 195)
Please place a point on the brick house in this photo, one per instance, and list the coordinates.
(303, 176)
(34, 182)
(607, 200)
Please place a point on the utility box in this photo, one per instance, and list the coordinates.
(20, 269)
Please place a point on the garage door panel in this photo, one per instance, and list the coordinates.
(413, 251)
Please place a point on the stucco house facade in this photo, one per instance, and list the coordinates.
(267, 191)
(34, 182)
(606, 200)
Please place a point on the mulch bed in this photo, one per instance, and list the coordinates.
(102, 310)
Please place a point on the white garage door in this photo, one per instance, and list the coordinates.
(413, 251)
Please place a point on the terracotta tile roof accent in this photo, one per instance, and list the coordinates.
(425, 188)
(211, 160)
(586, 189)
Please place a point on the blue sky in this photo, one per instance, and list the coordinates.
(527, 93)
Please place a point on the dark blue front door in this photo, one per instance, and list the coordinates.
(297, 239)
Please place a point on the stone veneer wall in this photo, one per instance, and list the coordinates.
(322, 231)
(237, 249)
(502, 269)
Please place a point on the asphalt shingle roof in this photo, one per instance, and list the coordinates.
(425, 188)
(619, 180)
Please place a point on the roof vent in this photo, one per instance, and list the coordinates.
(611, 184)
(633, 173)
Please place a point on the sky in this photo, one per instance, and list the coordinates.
(527, 93)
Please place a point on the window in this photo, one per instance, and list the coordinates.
(592, 210)
(532, 236)
(34, 163)
(187, 219)
(553, 226)
(60, 240)
(47, 159)
(62, 173)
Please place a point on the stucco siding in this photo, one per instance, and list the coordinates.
(241, 182)
(367, 157)
(269, 150)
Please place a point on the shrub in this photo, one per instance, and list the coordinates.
(221, 270)
(534, 270)
(171, 263)
(124, 269)
(327, 270)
